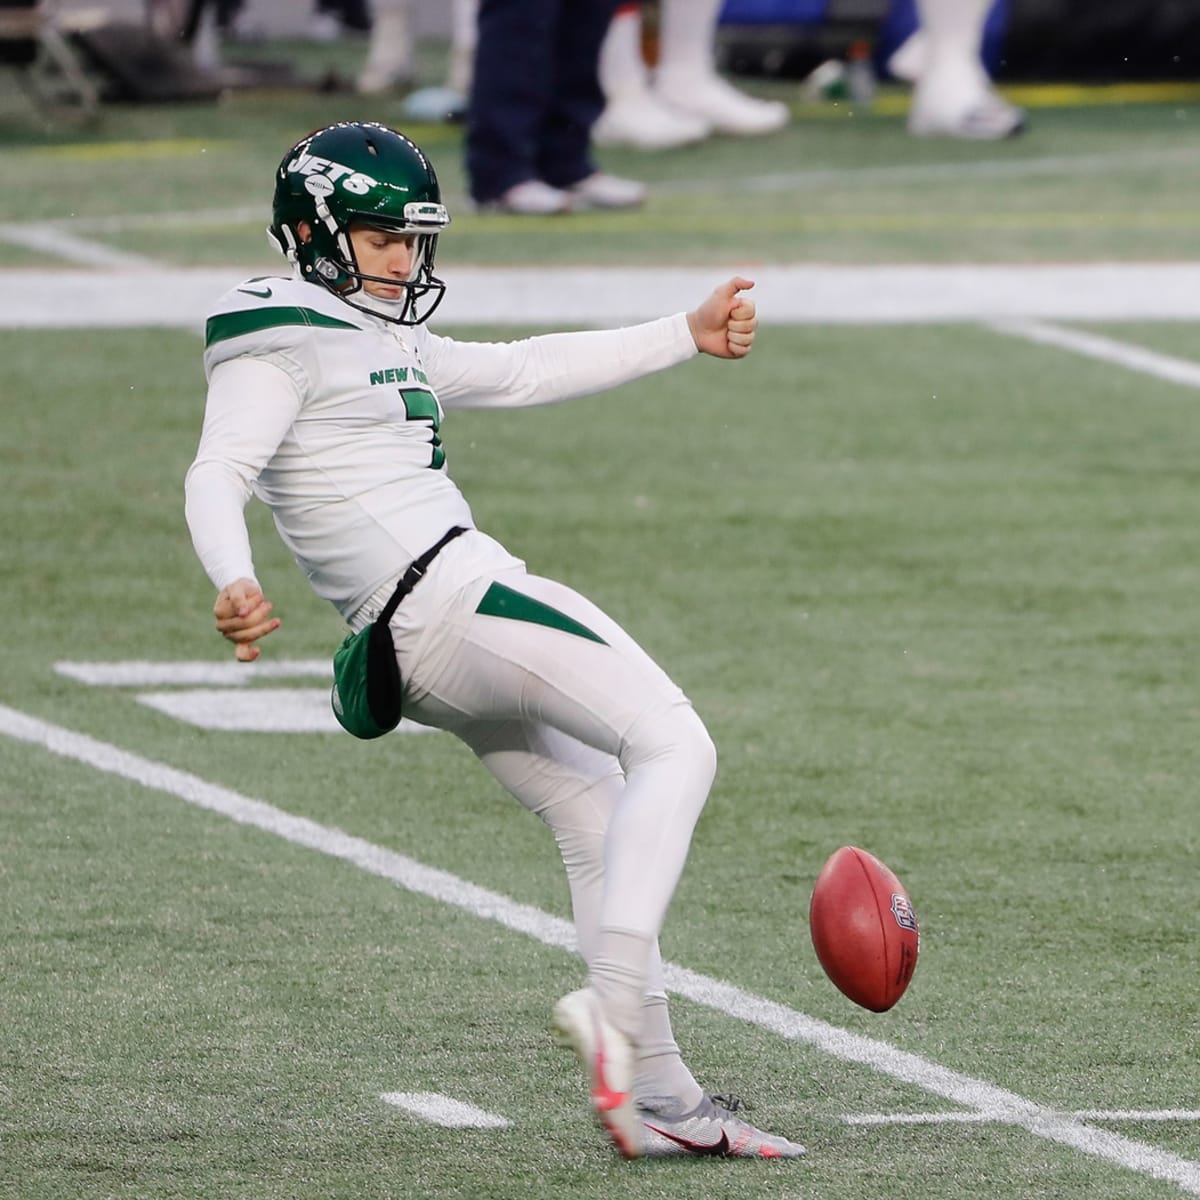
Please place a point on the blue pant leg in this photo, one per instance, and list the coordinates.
(511, 93)
(565, 150)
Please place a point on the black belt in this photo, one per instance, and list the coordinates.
(416, 571)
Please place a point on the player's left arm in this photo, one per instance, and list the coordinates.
(552, 366)
(560, 366)
(724, 325)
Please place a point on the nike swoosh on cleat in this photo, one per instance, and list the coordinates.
(716, 1149)
(263, 295)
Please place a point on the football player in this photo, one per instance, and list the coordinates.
(326, 393)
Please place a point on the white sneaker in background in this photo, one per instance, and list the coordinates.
(607, 191)
(984, 118)
(955, 98)
(641, 120)
(720, 104)
(990, 120)
(533, 198)
(376, 78)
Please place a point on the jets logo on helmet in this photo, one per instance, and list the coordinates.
(331, 173)
(365, 173)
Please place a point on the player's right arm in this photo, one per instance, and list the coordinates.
(243, 616)
(251, 406)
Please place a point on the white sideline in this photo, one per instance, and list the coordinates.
(975, 1094)
(915, 294)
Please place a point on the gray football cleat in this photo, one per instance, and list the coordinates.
(711, 1128)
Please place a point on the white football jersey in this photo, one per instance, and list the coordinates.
(332, 416)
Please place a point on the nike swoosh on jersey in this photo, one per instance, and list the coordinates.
(263, 295)
(719, 1149)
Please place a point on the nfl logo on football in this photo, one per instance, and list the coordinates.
(902, 910)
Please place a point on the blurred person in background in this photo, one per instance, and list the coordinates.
(943, 57)
(535, 95)
(390, 60)
(684, 99)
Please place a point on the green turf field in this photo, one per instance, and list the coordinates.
(933, 590)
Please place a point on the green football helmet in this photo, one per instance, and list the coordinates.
(359, 172)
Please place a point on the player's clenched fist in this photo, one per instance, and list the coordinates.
(724, 325)
(243, 616)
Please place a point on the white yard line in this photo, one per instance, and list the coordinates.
(1084, 1114)
(444, 1110)
(135, 673)
(55, 240)
(1136, 1114)
(1093, 345)
(976, 1094)
(256, 710)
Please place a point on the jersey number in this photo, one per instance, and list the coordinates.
(421, 406)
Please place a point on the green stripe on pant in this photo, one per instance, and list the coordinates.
(501, 601)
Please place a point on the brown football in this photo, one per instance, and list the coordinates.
(863, 928)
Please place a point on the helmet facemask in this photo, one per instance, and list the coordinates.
(338, 269)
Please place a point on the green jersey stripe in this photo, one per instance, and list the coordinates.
(500, 601)
(236, 324)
